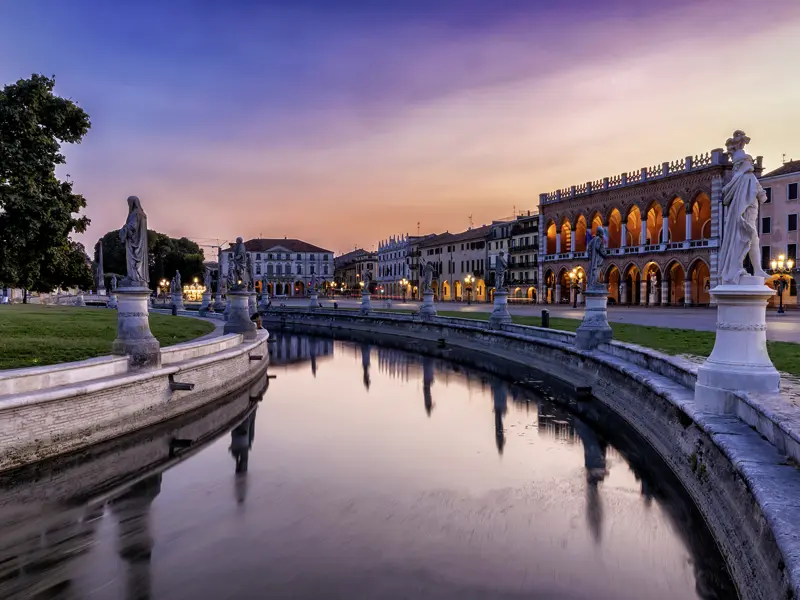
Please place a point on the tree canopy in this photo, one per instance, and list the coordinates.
(38, 212)
(166, 255)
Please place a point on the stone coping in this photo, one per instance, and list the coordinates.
(29, 379)
(760, 441)
(195, 349)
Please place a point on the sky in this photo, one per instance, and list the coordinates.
(342, 122)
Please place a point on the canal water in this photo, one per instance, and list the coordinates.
(362, 472)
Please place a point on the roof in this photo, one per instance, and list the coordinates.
(793, 166)
(290, 244)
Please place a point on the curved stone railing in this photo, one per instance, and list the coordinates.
(47, 411)
(741, 472)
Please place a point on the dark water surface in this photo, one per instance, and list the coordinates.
(364, 472)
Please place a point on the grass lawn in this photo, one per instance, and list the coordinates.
(33, 335)
(785, 355)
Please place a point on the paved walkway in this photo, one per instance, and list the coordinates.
(784, 328)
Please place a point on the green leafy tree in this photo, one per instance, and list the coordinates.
(66, 266)
(38, 213)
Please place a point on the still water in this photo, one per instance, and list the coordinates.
(363, 472)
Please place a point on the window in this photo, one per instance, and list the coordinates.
(325, 257)
(299, 257)
(766, 225)
(791, 191)
(766, 253)
(311, 270)
(258, 257)
(325, 270)
(258, 269)
(791, 252)
(299, 269)
(768, 191)
(278, 270)
(269, 270)
(792, 222)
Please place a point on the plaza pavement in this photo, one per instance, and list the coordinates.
(783, 328)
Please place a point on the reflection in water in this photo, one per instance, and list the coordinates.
(361, 495)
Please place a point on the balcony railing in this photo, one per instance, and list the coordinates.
(645, 249)
(524, 248)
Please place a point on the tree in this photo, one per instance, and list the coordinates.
(67, 266)
(166, 255)
(37, 211)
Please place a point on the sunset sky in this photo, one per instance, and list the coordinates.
(342, 122)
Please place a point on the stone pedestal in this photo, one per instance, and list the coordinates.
(219, 305)
(79, 301)
(112, 300)
(314, 300)
(594, 329)
(739, 361)
(177, 301)
(238, 320)
(205, 305)
(251, 303)
(133, 328)
(366, 305)
(427, 310)
(500, 313)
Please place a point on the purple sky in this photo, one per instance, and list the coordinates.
(343, 122)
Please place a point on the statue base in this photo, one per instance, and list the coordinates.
(427, 310)
(739, 361)
(79, 301)
(219, 305)
(500, 314)
(314, 300)
(205, 305)
(238, 320)
(177, 301)
(594, 330)
(133, 329)
(251, 303)
(112, 300)
(366, 305)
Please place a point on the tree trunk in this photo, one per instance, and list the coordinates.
(25, 296)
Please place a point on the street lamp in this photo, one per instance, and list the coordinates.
(468, 284)
(576, 278)
(164, 285)
(782, 266)
(403, 285)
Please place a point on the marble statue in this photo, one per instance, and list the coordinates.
(207, 279)
(597, 252)
(134, 236)
(239, 266)
(178, 286)
(250, 272)
(313, 284)
(741, 197)
(653, 281)
(172, 286)
(427, 276)
(367, 280)
(114, 282)
(101, 280)
(500, 271)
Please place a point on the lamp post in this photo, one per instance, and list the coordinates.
(404, 285)
(468, 280)
(576, 278)
(782, 266)
(164, 286)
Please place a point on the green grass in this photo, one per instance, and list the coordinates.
(785, 355)
(33, 335)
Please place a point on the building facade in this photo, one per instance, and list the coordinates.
(662, 224)
(460, 261)
(778, 224)
(350, 269)
(523, 260)
(285, 267)
(498, 240)
(394, 266)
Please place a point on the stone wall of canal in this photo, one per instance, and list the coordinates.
(746, 486)
(49, 411)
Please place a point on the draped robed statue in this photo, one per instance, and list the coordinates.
(239, 267)
(597, 252)
(134, 236)
(741, 197)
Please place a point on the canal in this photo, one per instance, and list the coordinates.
(363, 472)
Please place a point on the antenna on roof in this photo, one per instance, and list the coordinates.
(470, 221)
(784, 158)
(417, 227)
(514, 213)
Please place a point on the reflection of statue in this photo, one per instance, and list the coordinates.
(365, 355)
(500, 399)
(427, 276)
(596, 252)
(239, 266)
(134, 236)
(500, 271)
(427, 381)
(741, 197)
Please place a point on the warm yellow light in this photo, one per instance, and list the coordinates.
(781, 257)
(774, 264)
(789, 263)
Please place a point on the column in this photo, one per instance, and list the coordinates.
(572, 241)
(571, 294)
(558, 242)
(664, 292)
(623, 292)
(624, 234)
(688, 223)
(665, 228)
(643, 292)
(643, 236)
(557, 295)
(687, 292)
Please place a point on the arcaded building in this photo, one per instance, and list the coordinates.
(662, 230)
